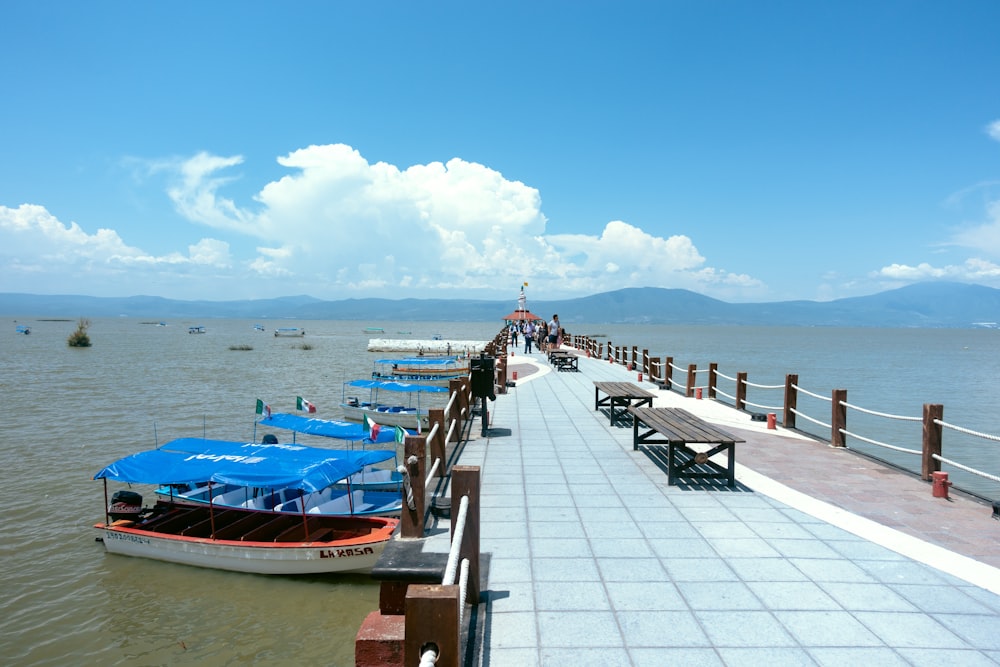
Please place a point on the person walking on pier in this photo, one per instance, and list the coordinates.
(554, 333)
(529, 336)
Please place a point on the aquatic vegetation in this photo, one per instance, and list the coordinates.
(79, 338)
(244, 348)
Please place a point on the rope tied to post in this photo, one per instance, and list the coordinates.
(404, 470)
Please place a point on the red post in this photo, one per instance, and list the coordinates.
(931, 440)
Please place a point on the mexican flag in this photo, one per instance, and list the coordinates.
(263, 409)
(400, 433)
(372, 428)
(304, 405)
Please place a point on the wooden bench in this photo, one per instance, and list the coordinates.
(564, 361)
(677, 428)
(620, 394)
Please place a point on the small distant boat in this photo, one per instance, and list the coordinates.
(289, 332)
(21, 329)
(196, 330)
(258, 327)
(374, 330)
(161, 324)
(411, 416)
(241, 540)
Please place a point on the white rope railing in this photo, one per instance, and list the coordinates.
(808, 418)
(433, 431)
(967, 431)
(763, 386)
(881, 444)
(938, 457)
(776, 408)
(429, 657)
(725, 377)
(456, 542)
(722, 393)
(432, 473)
(809, 393)
(880, 414)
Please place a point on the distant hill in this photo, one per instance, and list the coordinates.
(928, 305)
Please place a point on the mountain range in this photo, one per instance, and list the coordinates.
(929, 305)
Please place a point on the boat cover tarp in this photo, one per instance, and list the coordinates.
(326, 427)
(391, 385)
(422, 361)
(191, 460)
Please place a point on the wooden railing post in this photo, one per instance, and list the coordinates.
(438, 446)
(668, 370)
(741, 390)
(655, 369)
(713, 373)
(412, 520)
(838, 418)
(455, 413)
(432, 613)
(932, 440)
(465, 482)
(791, 400)
(644, 366)
(691, 379)
(501, 375)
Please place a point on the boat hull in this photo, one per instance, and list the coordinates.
(356, 553)
(411, 419)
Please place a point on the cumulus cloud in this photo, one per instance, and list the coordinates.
(972, 270)
(993, 129)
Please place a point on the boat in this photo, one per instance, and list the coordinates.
(196, 330)
(372, 477)
(432, 370)
(338, 499)
(289, 332)
(21, 329)
(258, 327)
(374, 330)
(411, 415)
(236, 539)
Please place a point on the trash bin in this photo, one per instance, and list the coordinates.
(483, 377)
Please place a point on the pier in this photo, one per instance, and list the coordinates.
(816, 555)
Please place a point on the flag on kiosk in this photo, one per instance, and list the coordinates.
(263, 409)
(400, 434)
(372, 428)
(304, 405)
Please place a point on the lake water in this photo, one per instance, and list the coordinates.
(72, 411)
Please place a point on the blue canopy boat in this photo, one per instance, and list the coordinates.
(411, 415)
(433, 370)
(244, 539)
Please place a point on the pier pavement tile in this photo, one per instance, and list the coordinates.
(743, 629)
(492, 500)
(597, 530)
(786, 531)
(635, 498)
(772, 657)
(792, 595)
(826, 628)
(534, 488)
(565, 569)
(512, 657)
(631, 569)
(910, 630)
(930, 657)
(988, 598)
(798, 516)
(503, 529)
(742, 548)
(832, 569)
(567, 547)
(867, 597)
(941, 599)
(577, 630)
(661, 628)
(765, 569)
(595, 496)
(645, 596)
(719, 595)
(591, 657)
(570, 596)
(491, 515)
(682, 548)
(688, 657)
(510, 597)
(511, 629)
(624, 548)
(979, 630)
(548, 500)
(660, 513)
(503, 547)
(605, 514)
(698, 569)
(709, 515)
(881, 656)
(795, 548)
(677, 530)
(683, 498)
(753, 514)
(826, 531)
(543, 514)
(723, 529)
(543, 478)
(557, 529)
(509, 570)
(905, 572)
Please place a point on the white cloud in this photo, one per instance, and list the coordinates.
(993, 129)
(972, 270)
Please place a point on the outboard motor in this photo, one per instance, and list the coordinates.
(125, 505)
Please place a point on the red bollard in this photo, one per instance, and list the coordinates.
(640, 377)
(515, 375)
(939, 484)
(772, 420)
(697, 393)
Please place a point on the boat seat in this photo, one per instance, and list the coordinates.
(290, 506)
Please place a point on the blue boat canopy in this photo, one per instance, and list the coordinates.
(391, 385)
(326, 427)
(421, 361)
(190, 460)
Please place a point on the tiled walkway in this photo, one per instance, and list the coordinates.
(594, 560)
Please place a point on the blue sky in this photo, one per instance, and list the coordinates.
(749, 151)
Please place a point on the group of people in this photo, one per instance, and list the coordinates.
(544, 335)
